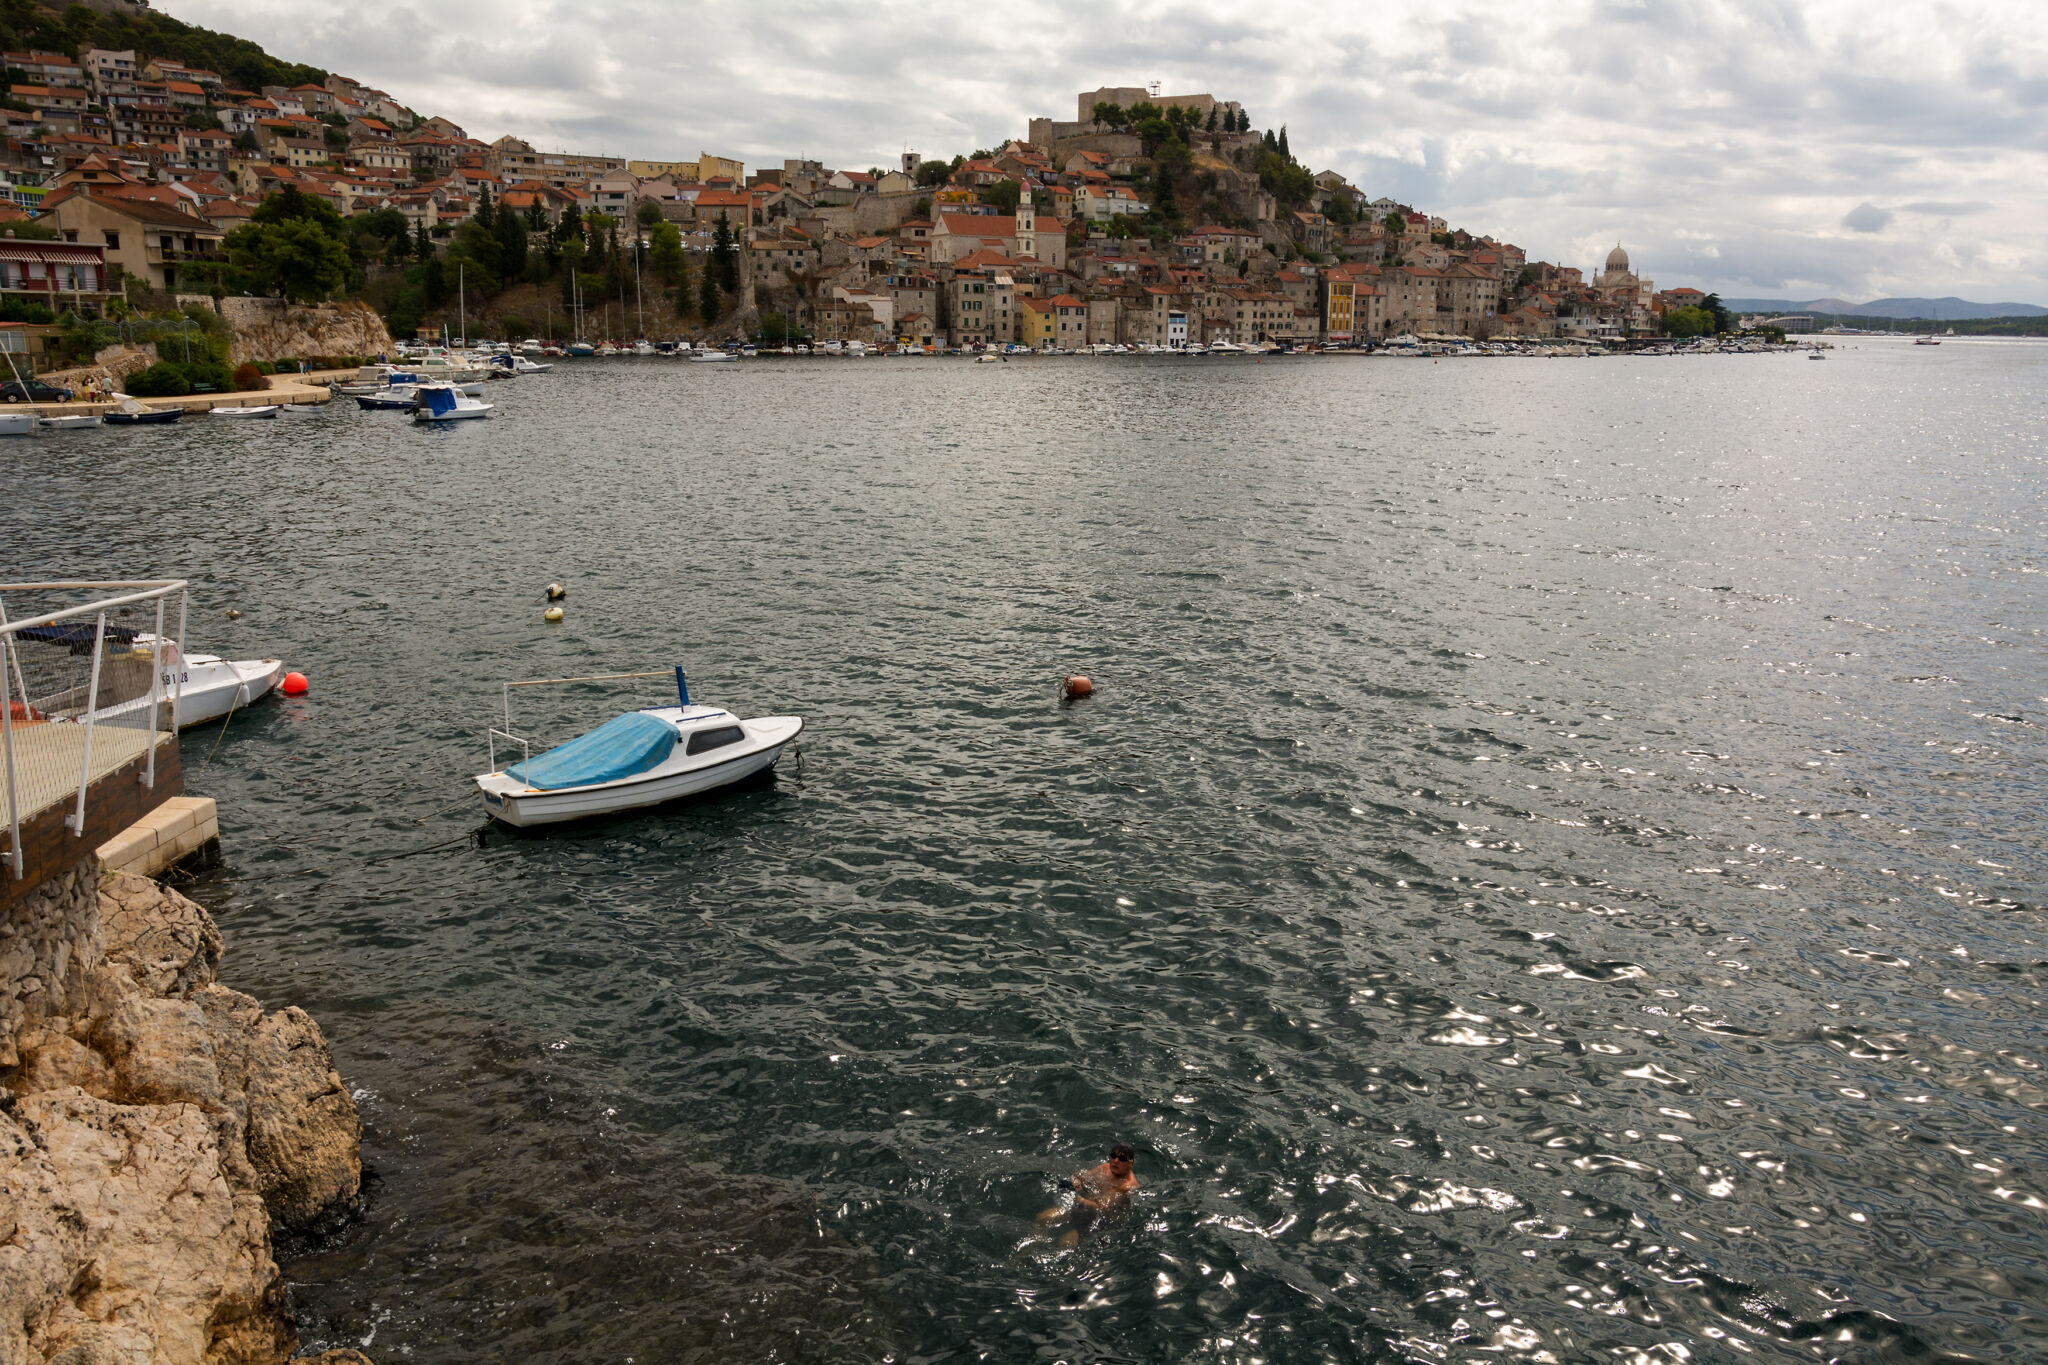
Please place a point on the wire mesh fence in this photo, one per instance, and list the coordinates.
(85, 687)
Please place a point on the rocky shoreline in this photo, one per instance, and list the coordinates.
(156, 1129)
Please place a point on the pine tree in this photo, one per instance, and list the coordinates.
(1244, 121)
(1283, 143)
(486, 212)
(1212, 118)
(422, 245)
(1272, 144)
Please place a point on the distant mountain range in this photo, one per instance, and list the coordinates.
(1946, 310)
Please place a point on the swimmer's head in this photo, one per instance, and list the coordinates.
(1122, 1154)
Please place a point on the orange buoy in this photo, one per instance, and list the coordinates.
(294, 684)
(1076, 685)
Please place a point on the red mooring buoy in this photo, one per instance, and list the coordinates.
(1075, 685)
(294, 685)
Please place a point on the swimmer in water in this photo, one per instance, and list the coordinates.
(1097, 1191)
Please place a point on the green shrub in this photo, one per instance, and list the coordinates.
(265, 367)
(161, 380)
(210, 374)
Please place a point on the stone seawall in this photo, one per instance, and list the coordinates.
(155, 1126)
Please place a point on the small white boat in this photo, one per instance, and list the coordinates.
(987, 358)
(259, 410)
(206, 686)
(749, 351)
(17, 424)
(643, 348)
(448, 403)
(69, 421)
(640, 759)
(397, 398)
(711, 357)
(532, 346)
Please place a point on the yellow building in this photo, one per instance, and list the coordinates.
(710, 167)
(653, 170)
(1339, 308)
(1037, 322)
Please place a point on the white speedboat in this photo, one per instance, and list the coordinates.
(711, 357)
(17, 424)
(987, 358)
(532, 346)
(640, 759)
(448, 403)
(643, 348)
(69, 421)
(205, 686)
(257, 410)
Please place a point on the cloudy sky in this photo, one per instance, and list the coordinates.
(1761, 148)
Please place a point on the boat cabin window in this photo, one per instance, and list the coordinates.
(703, 740)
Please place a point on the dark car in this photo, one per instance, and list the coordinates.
(32, 391)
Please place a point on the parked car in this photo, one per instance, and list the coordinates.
(33, 391)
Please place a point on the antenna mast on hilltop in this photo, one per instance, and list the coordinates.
(1154, 87)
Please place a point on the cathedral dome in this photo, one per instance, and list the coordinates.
(1617, 260)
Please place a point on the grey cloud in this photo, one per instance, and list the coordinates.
(1866, 217)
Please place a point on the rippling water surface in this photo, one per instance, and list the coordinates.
(1553, 869)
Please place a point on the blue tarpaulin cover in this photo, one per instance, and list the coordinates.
(628, 744)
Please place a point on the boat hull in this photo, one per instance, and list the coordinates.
(529, 808)
(210, 689)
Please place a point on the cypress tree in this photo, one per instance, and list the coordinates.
(724, 256)
(1283, 143)
(707, 298)
(422, 245)
(511, 233)
(1212, 118)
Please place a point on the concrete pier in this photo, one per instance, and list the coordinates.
(176, 830)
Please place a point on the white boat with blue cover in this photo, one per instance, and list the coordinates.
(446, 403)
(642, 758)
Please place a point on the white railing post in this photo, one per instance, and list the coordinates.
(92, 711)
(156, 691)
(14, 858)
(178, 682)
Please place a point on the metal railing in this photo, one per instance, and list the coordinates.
(73, 695)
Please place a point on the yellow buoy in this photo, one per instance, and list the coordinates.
(552, 614)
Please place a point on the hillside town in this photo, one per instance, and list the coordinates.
(1147, 220)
